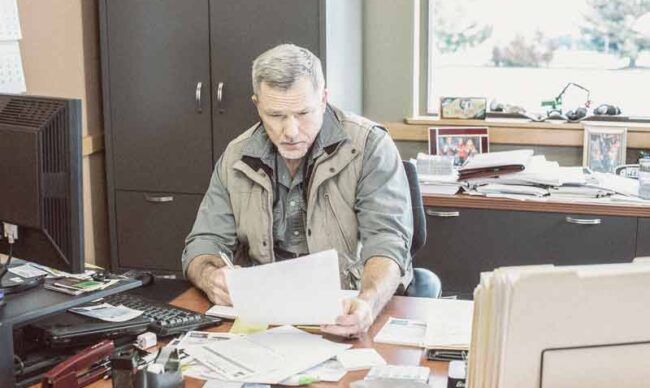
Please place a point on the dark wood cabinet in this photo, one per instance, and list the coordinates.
(240, 31)
(151, 228)
(158, 59)
(177, 89)
(463, 241)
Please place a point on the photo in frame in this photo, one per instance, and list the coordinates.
(458, 142)
(604, 147)
(463, 108)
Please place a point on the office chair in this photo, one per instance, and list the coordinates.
(425, 284)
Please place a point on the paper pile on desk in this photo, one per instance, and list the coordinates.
(268, 357)
(302, 291)
(574, 326)
(448, 326)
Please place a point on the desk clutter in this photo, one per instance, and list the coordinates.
(521, 175)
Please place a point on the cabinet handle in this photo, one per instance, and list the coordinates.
(199, 89)
(446, 214)
(583, 221)
(159, 199)
(220, 93)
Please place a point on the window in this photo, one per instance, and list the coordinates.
(524, 52)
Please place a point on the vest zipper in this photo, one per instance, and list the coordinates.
(338, 223)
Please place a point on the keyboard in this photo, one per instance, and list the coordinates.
(166, 320)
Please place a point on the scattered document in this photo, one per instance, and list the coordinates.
(449, 324)
(268, 357)
(329, 371)
(27, 271)
(203, 338)
(358, 359)
(267, 293)
(398, 331)
(107, 312)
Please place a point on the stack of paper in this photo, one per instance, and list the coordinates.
(578, 326)
(266, 358)
(448, 326)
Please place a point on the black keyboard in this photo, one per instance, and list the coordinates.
(165, 319)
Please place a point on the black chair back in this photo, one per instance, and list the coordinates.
(419, 219)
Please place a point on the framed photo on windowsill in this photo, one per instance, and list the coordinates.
(458, 142)
(604, 147)
(474, 108)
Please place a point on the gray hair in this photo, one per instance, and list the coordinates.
(281, 66)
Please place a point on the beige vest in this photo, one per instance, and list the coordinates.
(331, 220)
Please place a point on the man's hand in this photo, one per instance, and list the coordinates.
(213, 283)
(208, 273)
(356, 319)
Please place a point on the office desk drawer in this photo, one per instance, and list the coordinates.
(566, 239)
(463, 242)
(151, 228)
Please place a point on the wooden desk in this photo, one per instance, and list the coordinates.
(399, 306)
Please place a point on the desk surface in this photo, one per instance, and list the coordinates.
(550, 206)
(402, 307)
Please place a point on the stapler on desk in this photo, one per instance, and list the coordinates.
(85, 367)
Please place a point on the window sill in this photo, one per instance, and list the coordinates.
(518, 131)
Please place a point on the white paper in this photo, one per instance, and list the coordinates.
(107, 312)
(229, 312)
(203, 338)
(330, 371)
(398, 331)
(496, 159)
(400, 372)
(449, 324)
(220, 311)
(302, 291)
(9, 21)
(12, 77)
(27, 271)
(357, 359)
(268, 357)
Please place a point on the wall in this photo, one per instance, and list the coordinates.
(60, 54)
(388, 68)
(344, 53)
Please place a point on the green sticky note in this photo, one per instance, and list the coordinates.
(239, 327)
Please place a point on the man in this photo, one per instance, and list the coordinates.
(308, 178)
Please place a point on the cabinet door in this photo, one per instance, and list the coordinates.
(462, 243)
(151, 228)
(239, 32)
(566, 239)
(158, 53)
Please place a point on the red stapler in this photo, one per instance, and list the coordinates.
(89, 365)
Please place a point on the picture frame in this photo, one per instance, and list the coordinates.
(458, 142)
(474, 108)
(604, 147)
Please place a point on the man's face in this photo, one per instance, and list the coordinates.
(293, 117)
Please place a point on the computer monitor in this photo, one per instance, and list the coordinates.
(41, 179)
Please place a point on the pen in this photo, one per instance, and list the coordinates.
(226, 260)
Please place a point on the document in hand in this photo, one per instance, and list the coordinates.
(494, 164)
(576, 326)
(302, 291)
